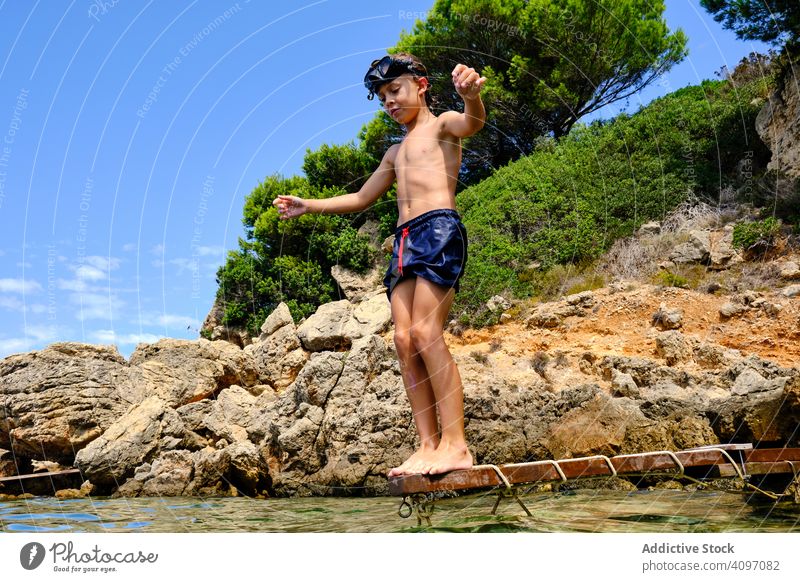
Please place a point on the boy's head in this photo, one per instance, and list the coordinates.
(396, 67)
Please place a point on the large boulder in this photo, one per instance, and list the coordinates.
(357, 286)
(673, 347)
(55, 401)
(147, 428)
(230, 414)
(723, 254)
(184, 371)
(778, 125)
(597, 427)
(324, 330)
(206, 472)
(277, 353)
(696, 250)
(372, 316)
(333, 426)
(760, 405)
(336, 325)
(167, 476)
(287, 426)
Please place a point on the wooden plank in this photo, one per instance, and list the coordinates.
(659, 461)
(725, 447)
(452, 481)
(39, 475)
(757, 468)
(772, 455)
(662, 461)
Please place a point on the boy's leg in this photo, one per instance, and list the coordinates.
(415, 379)
(429, 312)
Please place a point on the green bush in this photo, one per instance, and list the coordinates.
(667, 279)
(747, 235)
(290, 260)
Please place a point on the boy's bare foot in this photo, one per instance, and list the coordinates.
(449, 458)
(416, 463)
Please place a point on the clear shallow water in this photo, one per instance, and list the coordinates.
(573, 511)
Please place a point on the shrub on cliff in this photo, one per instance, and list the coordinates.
(566, 203)
(291, 260)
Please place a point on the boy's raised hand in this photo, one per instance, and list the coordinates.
(467, 81)
(290, 206)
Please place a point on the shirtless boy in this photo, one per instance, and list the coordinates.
(430, 248)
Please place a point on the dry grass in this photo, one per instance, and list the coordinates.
(696, 214)
(637, 257)
(539, 362)
(758, 276)
(480, 357)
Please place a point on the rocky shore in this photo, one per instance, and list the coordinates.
(319, 408)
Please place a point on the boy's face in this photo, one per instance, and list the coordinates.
(402, 97)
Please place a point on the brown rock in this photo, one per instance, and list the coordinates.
(596, 428)
(357, 286)
(778, 125)
(184, 371)
(667, 318)
(673, 347)
(56, 400)
(132, 440)
(278, 356)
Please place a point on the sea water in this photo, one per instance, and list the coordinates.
(581, 510)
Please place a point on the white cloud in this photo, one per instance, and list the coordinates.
(95, 268)
(184, 264)
(95, 305)
(34, 334)
(12, 303)
(89, 273)
(103, 336)
(129, 247)
(15, 346)
(19, 286)
(26, 265)
(42, 333)
(109, 336)
(157, 250)
(183, 321)
(72, 285)
(154, 319)
(210, 251)
(91, 268)
(103, 263)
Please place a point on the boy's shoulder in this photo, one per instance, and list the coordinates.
(391, 153)
(447, 119)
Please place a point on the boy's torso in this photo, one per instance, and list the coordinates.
(426, 167)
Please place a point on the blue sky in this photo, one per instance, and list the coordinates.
(132, 132)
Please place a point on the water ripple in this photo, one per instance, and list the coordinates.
(572, 511)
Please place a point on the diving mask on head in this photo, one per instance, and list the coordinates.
(387, 69)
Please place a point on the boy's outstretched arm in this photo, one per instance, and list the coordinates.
(377, 184)
(468, 85)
